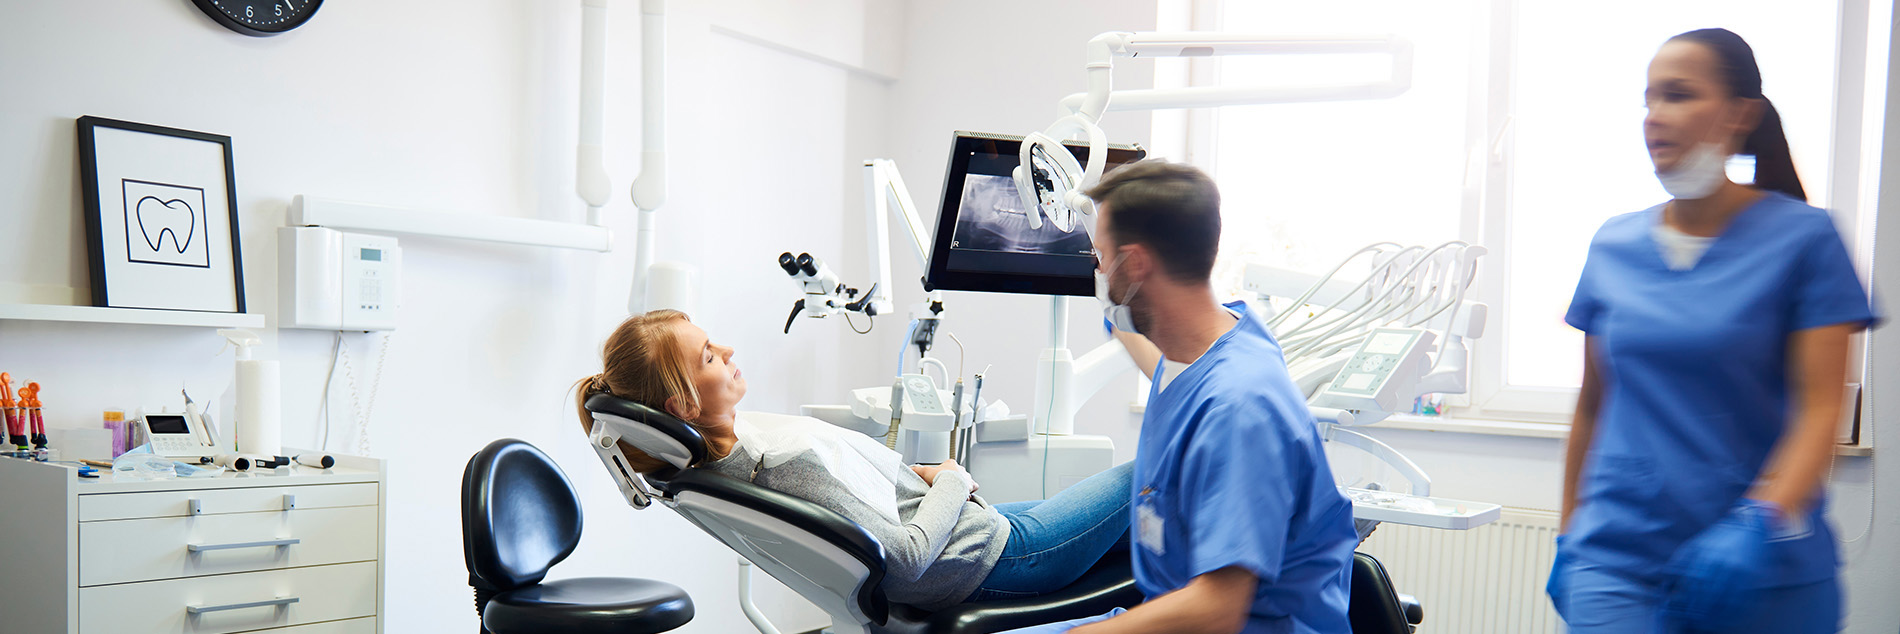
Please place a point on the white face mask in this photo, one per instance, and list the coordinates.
(1120, 315)
(1699, 173)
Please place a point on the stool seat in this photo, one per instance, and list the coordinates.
(590, 605)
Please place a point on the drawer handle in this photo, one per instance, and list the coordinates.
(198, 548)
(201, 609)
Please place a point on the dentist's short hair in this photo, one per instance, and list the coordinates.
(1171, 208)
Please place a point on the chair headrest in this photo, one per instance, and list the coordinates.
(652, 431)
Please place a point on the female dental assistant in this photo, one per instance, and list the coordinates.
(1717, 334)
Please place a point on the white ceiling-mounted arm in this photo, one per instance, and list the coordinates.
(1051, 180)
(591, 180)
(1096, 101)
(649, 188)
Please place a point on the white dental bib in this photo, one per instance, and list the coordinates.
(849, 457)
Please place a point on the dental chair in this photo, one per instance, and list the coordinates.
(816, 552)
(520, 517)
(839, 567)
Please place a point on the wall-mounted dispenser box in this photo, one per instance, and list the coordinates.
(332, 280)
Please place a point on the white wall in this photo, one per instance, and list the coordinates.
(465, 106)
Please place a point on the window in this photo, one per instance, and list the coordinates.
(1522, 127)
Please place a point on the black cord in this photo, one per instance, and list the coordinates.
(868, 324)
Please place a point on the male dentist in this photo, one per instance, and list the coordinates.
(1237, 525)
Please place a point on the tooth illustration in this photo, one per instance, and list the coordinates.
(157, 218)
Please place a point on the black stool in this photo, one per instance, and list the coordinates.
(520, 517)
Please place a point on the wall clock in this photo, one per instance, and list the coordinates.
(260, 18)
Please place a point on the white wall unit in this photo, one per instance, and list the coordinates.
(352, 216)
(296, 550)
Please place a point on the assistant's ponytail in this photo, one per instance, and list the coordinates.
(1774, 164)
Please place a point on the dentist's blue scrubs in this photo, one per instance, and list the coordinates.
(1694, 366)
(1229, 472)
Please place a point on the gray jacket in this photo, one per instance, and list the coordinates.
(939, 541)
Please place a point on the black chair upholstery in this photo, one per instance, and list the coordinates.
(682, 435)
(1376, 608)
(520, 517)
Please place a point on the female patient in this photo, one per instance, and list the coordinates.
(942, 544)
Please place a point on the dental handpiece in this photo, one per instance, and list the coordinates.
(976, 413)
(956, 417)
(897, 413)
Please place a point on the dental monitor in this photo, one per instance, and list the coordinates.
(986, 242)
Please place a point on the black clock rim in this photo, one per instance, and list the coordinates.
(246, 29)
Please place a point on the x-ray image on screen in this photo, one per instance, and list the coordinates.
(991, 218)
(984, 241)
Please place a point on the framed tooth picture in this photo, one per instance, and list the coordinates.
(161, 217)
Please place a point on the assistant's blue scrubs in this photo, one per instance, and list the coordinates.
(1229, 472)
(1694, 366)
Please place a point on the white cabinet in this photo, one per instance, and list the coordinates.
(297, 550)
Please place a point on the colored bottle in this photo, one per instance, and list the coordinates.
(121, 436)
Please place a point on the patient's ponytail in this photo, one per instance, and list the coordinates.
(641, 362)
(1774, 163)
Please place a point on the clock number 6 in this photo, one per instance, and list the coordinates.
(247, 11)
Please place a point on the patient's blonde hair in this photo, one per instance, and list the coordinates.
(641, 362)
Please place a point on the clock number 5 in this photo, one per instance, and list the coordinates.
(280, 10)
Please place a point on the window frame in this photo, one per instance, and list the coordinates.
(1490, 156)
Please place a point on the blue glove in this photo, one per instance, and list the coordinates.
(1108, 326)
(1720, 571)
(1559, 585)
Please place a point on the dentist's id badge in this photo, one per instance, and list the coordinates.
(1148, 525)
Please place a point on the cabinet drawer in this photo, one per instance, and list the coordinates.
(125, 506)
(231, 603)
(163, 548)
(366, 625)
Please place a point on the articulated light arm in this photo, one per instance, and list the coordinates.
(886, 195)
(1051, 180)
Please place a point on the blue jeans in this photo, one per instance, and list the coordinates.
(1052, 542)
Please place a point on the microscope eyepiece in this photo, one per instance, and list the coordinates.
(788, 262)
(808, 264)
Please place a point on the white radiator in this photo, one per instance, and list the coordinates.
(1487, 580)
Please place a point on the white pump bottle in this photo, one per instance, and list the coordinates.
(257, 420)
